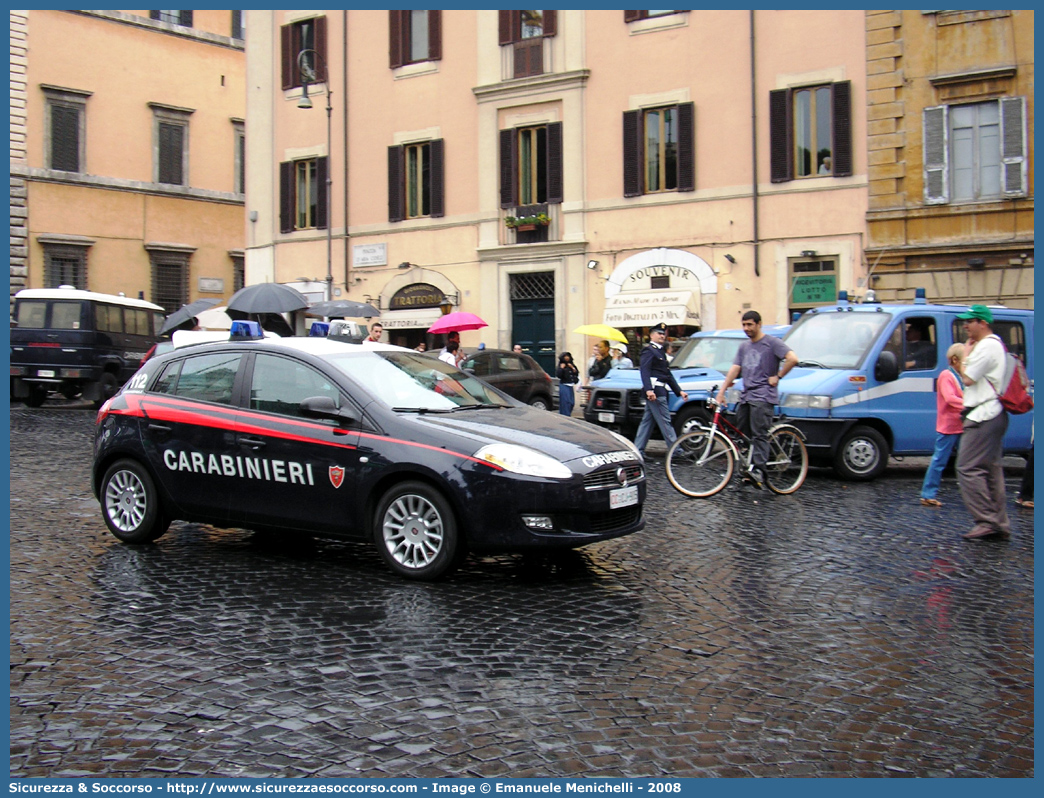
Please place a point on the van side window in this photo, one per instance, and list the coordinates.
(108, 318)
(66, 315)
(209, 378)
(32, 315)
(137, 321)
(921, 345)
(1012, 333)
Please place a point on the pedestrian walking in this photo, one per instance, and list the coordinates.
(762, 360)
(980, 472)
(568, 376)
(949, 401)
(449, 354)
(602, 361)
(656, 378)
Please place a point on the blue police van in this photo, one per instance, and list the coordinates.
(865, 385)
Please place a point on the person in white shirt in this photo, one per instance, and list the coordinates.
(980, 472)
(620, 359)
(449, 354)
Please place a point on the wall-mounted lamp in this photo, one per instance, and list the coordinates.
(405, 264)
(729, 258)
(808, 253)
(592, 264)
(448, 302)
(976, 263)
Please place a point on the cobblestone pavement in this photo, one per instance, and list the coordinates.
(844, 630)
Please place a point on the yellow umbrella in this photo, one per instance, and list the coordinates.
(602, 331)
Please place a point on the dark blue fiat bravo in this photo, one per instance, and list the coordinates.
(368, 443)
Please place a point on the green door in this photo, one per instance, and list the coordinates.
(533, 326)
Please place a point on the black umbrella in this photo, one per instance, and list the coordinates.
(186, 313)
(343, 309)
(267, 298)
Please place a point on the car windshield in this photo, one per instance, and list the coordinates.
(835, 340)
(411, 381)
(712, 353)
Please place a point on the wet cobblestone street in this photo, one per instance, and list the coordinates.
(841, 631)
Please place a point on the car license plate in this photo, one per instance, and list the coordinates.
(623, 497)
(45, 373)
(606, 418)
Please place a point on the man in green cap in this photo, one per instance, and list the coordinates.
(979, 470)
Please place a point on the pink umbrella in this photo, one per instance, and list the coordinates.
(457, 321)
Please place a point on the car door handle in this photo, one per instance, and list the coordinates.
(160, 427)
(253, 443)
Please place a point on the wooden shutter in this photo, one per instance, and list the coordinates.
(154, 14)
(550, 23)
(286, 197)
(936, 155)
(842, 102)
(434, 35)
(632, 16)
(396, 187)
(554, 162)
(507, 30)
(529, 58)
(171, 154)
(780, 151)
(65, 138)
(508, 168)
(687, 147)
(320, 47)
(395, 38)
(632, 154)
(322, 174)
(237, 24)
(438, 178)
(185, 18)
(1013, 145)
(286, 53)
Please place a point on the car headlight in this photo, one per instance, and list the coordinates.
(625, 443)
(807, 400)
(520, 460)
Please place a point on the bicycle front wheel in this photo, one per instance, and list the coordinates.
(787, 465)
(700, 463)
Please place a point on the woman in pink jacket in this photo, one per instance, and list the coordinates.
(948, 424)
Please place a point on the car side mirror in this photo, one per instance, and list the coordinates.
(887, 367)
(467, 370)
(325, 407)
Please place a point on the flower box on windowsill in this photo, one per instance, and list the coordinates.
(528, 222)
(525, 227)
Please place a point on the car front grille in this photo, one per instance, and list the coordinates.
(607, 477)
(606, 401)
(615, 520)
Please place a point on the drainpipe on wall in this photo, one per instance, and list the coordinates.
(344, 93)
(754, 141)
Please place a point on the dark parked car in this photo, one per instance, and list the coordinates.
(519, 376)
(371, 443)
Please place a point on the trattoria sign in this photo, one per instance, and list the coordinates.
(418, 295)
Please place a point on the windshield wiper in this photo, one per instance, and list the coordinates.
(474, 407)
(810, 364)
(421, 410)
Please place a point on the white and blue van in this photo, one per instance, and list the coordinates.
(864, 387)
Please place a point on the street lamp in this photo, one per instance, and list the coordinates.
(306, 68)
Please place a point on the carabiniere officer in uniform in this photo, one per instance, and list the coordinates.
(656, 377)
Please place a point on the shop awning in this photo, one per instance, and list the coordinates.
(640, 309)
(409, 319)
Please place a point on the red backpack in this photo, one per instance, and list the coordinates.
(1015, 396)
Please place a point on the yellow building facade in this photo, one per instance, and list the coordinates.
(133, 131)
(547, 169)
(950, 109)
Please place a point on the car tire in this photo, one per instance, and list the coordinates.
(107, 387)
(415, 531)
(130, 503)
(689, 417)
(862, 455)
(37, 396)
(540, 403)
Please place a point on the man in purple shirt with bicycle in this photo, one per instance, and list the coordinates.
(758, 362)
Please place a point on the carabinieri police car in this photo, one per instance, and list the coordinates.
(360, 442)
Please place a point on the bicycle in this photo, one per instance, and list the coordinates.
(700, 463)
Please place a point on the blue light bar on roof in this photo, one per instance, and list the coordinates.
(319, 329)
(245, 331)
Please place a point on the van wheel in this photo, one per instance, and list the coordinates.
(69, 390)
(37, 396)
(689, 418)
(130, 503)
(862, 455)
(416, 532)
(107, 387)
